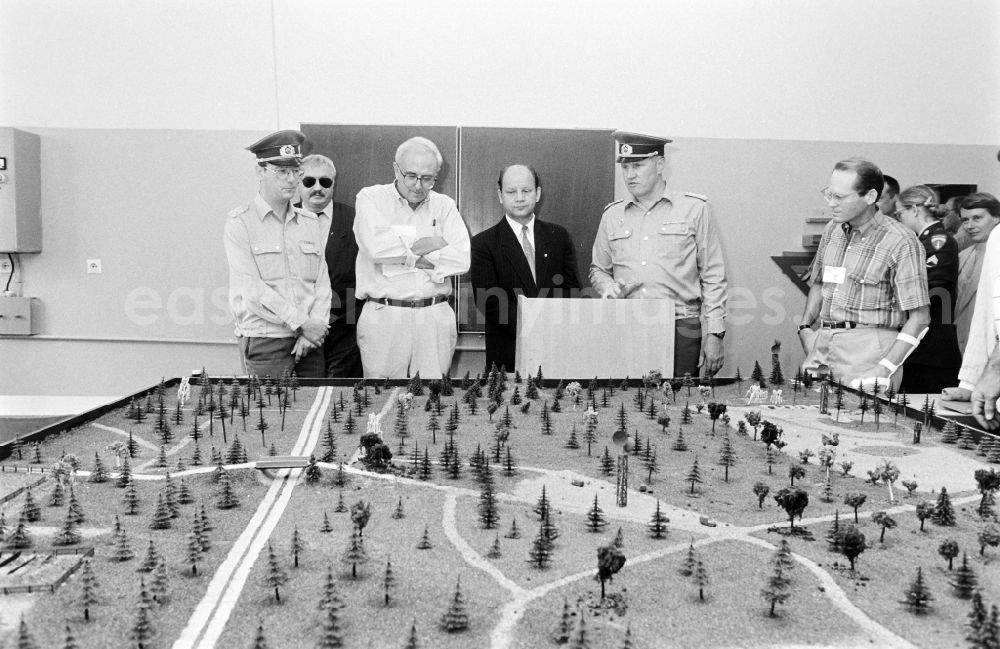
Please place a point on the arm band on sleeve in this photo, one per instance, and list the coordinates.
(908, 339)
(889, 365)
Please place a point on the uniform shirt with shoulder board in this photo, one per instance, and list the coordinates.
(341, 254)
(385, 227)
(278, 276)
(939, 347)
(885, 273)
(674, 249)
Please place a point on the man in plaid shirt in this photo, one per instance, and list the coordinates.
(869, 299)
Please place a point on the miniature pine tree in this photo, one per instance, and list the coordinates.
(88, 588)
(142, 630)
(540, 554)
(779, 583)
(619, 540)
(572, 442)
(964, 581)
(944, 511)
(689, 563)
(276, 575)
(297, 546)
(515, 532)
(651, 464)
(161, 459)
(30, 510)
(161, 515)
(727, 455)
(658, 523)
(341, 506)
(456, 618)
(679, 443)
(355, 553)
(949, 434)
(159, 586)
(494, 551)
(131, 498)
(24, 638)
(489, 514)
(69, 534)
(758, 375)
(700, 577)
(694, 474)
(151, 559)
(596, 521)
(564, 629)
(827, 493)
(917, 597)
(607, 463)
(58, 495)
(761, 490)
(227, 495)
(170, 496)
(123, 547)
(833, 534)
(388, 582)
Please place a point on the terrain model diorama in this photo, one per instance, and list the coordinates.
(502, 511)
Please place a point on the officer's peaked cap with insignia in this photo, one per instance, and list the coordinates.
(630, 147)
(283, 148)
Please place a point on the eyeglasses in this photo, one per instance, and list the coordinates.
(285, 173)
(832, 197)
(325, 183)
(411, 178)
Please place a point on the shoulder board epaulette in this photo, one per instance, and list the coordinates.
(612, 203)
(700, 197)
(239, 210)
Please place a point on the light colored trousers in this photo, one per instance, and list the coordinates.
(397, 341)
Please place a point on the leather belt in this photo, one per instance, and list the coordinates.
(410, 304)
(829, 324)
(686, 311)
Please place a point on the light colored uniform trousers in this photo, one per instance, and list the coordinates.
(395, 340)
(851, 353)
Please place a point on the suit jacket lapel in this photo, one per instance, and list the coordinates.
(543, 252)
(515, 255)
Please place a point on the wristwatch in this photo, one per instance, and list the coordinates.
(719, 334)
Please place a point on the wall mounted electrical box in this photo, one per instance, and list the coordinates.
(16, 317)
(20, 191)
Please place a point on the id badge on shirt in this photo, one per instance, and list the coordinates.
(834, 274)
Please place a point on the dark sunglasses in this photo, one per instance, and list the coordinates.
(325, 183)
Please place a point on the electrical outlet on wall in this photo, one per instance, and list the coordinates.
(5, 266)
(94, 266)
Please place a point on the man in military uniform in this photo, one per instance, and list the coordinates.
(279, 288)
(664, 244)
(934, 364)
(869, 284)
(340, 349)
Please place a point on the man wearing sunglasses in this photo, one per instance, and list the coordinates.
(340, 349)
(868, 299)
(279, 288)
(411, 242)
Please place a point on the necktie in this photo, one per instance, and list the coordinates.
(529, 250)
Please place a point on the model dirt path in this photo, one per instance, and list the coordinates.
(209, 617)
(564, 495)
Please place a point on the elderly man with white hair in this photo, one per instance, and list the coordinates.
(411, 241)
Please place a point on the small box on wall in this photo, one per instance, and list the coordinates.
(18, 316)
(20, 191)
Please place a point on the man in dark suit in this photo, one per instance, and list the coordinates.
(520, 255)
(316, 187)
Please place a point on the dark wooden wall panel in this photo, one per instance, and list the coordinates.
(576, 169)
(364, 154)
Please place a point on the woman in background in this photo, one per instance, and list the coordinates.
(934, 364)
